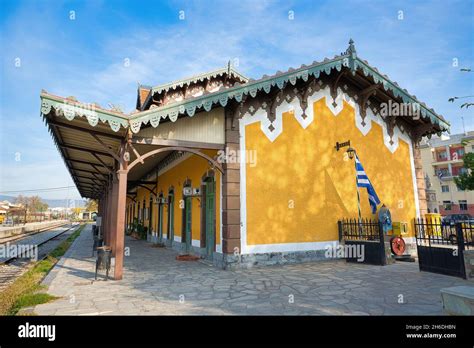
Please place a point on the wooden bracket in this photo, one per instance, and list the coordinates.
(133, 199)
(102, 163)
(333, 87)
(274, 103)
(148, 189)
(97, 169)
(237, 113)
(365, 94)
(419, 131)
(139, 157)
(106, 147)
(303, 94)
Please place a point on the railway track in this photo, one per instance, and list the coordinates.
(14, 238)
(13, 266)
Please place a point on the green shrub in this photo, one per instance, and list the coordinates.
(23, 292)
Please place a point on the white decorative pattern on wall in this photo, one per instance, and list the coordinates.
(364, 125)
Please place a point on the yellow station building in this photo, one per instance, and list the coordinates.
(243, 171)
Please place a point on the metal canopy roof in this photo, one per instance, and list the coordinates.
(79, 143)
(88, 152)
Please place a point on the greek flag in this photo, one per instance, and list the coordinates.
(363, 181)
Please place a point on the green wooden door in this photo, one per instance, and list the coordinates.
(160, 222)
(171, 218)
(188, 222)
(150, 218)
(210, 218)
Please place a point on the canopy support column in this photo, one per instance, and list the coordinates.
(108, 230)
(119, 206)
(113, 215)
(104, 217)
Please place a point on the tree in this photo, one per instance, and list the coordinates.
(22, 200)
(77, 211)
(33, 204)
(465, 181)
(91, 205)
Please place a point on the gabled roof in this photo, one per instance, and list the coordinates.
(229, 70)
(142, 94)
(347, 60)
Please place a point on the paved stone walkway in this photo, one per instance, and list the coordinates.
(156, 284)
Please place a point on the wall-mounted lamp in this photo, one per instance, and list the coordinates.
(351, 152)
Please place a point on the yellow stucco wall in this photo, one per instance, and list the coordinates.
(192, 168)
(301, 185)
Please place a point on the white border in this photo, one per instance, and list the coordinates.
(289, 247)
(261, 116)
(410, 240)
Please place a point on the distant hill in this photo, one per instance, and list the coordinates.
(52, 203)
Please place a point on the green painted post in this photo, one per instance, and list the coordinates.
(210, 216)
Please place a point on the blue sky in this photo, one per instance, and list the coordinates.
(85, 57)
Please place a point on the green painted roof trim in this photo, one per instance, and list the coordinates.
(189, 106)
(400, 93)
(71, 109)
(197, 78)
(206, 101)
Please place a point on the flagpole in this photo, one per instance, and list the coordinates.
(358, 197)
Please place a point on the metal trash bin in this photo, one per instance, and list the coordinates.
(103, 261)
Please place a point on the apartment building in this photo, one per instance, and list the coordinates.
(442, 159)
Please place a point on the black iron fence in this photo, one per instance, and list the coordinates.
(467, 229)
(441, 245)
(363, 229)
(437, 233)
(365, 235)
